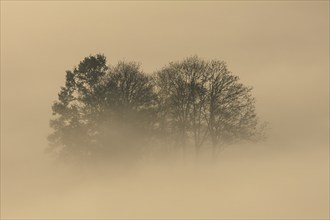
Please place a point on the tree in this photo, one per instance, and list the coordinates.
(119, 112)
(98, 106)
(182, 95)
(128, 119)
(231, 107)
(77, 108)
(204, 102)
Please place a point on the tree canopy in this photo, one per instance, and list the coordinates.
(120, 112)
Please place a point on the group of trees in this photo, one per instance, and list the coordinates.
(117, 112)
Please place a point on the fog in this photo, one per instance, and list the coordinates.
(279, 48)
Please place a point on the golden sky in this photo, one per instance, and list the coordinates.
(281, 48)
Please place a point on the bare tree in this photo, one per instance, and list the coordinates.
(204, 102)
(231, 107)
(181, 90)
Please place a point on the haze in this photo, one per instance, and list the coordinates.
(280, 48)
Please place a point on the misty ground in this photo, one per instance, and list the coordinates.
(250, 181)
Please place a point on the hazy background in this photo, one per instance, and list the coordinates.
(280, 48)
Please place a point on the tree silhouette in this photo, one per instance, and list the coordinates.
(231, 107)
(77, 108)
(181, 89)
(98, 107)
(203, 101)
(119, 112)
